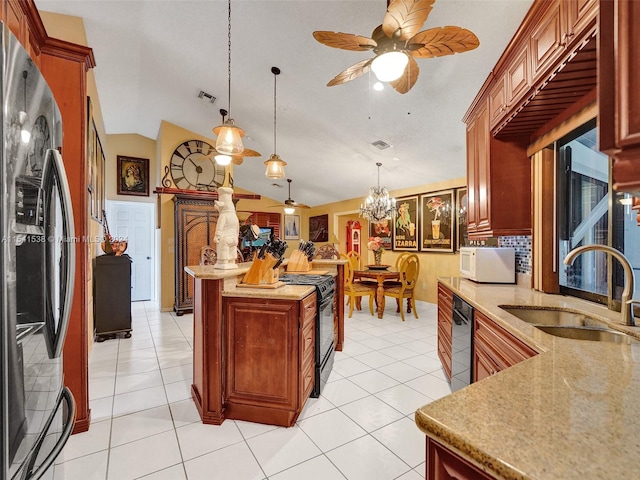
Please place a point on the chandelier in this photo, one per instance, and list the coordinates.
(378, 206)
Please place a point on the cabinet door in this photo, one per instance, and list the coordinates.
(497, 101)
(518, 79)
(483, 172)
(443, 464)
(445, 325)
(472, 132)
(547, 40)
(262, 353)
(618, 87)
(579, 14)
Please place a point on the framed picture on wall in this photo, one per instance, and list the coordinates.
(319, 228)
(133, 176)
(461, 217)
(405, 224)
(382, 229)
(438, 221)
(291, 227)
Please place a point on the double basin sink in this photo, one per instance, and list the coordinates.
(568, 324)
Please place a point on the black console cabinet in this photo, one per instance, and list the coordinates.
(112, 296)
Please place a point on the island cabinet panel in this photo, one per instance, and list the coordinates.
(498, 181)
(269, 358)
(495, 349)
(445, 325)
(443, 464)
(619, 84)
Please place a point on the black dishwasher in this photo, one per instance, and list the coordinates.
(461, 344)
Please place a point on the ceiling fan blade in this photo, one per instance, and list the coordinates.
(345, 41)
(236, 160)
(247, 152)
(408, 78)
(354, 71)
(404, 18)
(300, 205)
(440, 41)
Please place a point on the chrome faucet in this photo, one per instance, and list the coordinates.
(626, 309)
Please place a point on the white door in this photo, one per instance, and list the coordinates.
(134, 221)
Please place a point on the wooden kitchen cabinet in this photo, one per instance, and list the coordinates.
(445, 326)
(495, 349)
(548, 39)
(619, 84)
(498, 181)
(443, 464)
(270, 353)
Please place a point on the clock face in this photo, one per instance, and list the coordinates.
(190, 170)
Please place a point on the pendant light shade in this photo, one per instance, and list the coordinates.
(389, 66)
(289, 210)
(275, 165)
(229, 141)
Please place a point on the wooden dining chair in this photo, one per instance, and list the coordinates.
(356, 290)
(409, 271)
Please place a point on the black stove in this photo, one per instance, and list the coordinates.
(325, 290)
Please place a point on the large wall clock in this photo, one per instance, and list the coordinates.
(194, 168)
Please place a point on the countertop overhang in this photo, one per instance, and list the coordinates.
(567, 413)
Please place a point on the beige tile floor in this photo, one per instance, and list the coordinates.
(144, 423)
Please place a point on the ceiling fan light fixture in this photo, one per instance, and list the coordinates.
(275, 166)
(289, 210)
(389, 66)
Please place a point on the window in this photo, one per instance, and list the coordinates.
(589, 212)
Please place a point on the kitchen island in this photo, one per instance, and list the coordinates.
(253, 347)
(568, 412)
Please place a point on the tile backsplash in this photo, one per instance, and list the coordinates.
(523, 248)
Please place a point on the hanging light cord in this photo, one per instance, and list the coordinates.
(275, 80)
(24, 75)
(229, 58)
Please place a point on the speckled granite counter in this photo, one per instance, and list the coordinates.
(567, 413)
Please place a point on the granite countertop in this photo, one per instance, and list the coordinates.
(286, 292)
(567, 413)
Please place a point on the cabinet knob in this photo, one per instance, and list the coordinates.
(148, 258)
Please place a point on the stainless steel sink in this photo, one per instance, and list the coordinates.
(587, 333)
(568, 324)
(549, 316)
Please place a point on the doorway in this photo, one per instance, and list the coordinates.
(135, 222)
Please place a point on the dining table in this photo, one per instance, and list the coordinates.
(380, 275)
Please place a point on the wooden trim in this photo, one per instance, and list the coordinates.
(545, 252)
(69, 51)
(580, 118)
(198, 194)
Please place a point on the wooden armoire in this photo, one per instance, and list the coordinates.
(195, 220)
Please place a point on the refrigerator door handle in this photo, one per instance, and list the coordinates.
(29, 472)
(54, 172)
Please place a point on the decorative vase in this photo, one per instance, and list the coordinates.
(377, 257)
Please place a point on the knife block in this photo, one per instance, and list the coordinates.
(262, 271)
(298, 262)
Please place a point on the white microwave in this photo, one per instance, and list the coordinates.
(488, 264)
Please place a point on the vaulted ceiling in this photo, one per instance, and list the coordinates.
(154, 57)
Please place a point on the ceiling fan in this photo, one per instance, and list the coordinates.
(397, 43)
(289, 203)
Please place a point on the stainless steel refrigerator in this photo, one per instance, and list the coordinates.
(37, 261)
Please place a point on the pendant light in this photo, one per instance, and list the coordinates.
(23, 117)
(221, 158)
(275, 165)
(229, 141)
(378, 206)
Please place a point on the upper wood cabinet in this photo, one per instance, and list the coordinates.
(498, 181)
(619, 84)
(548, 38)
